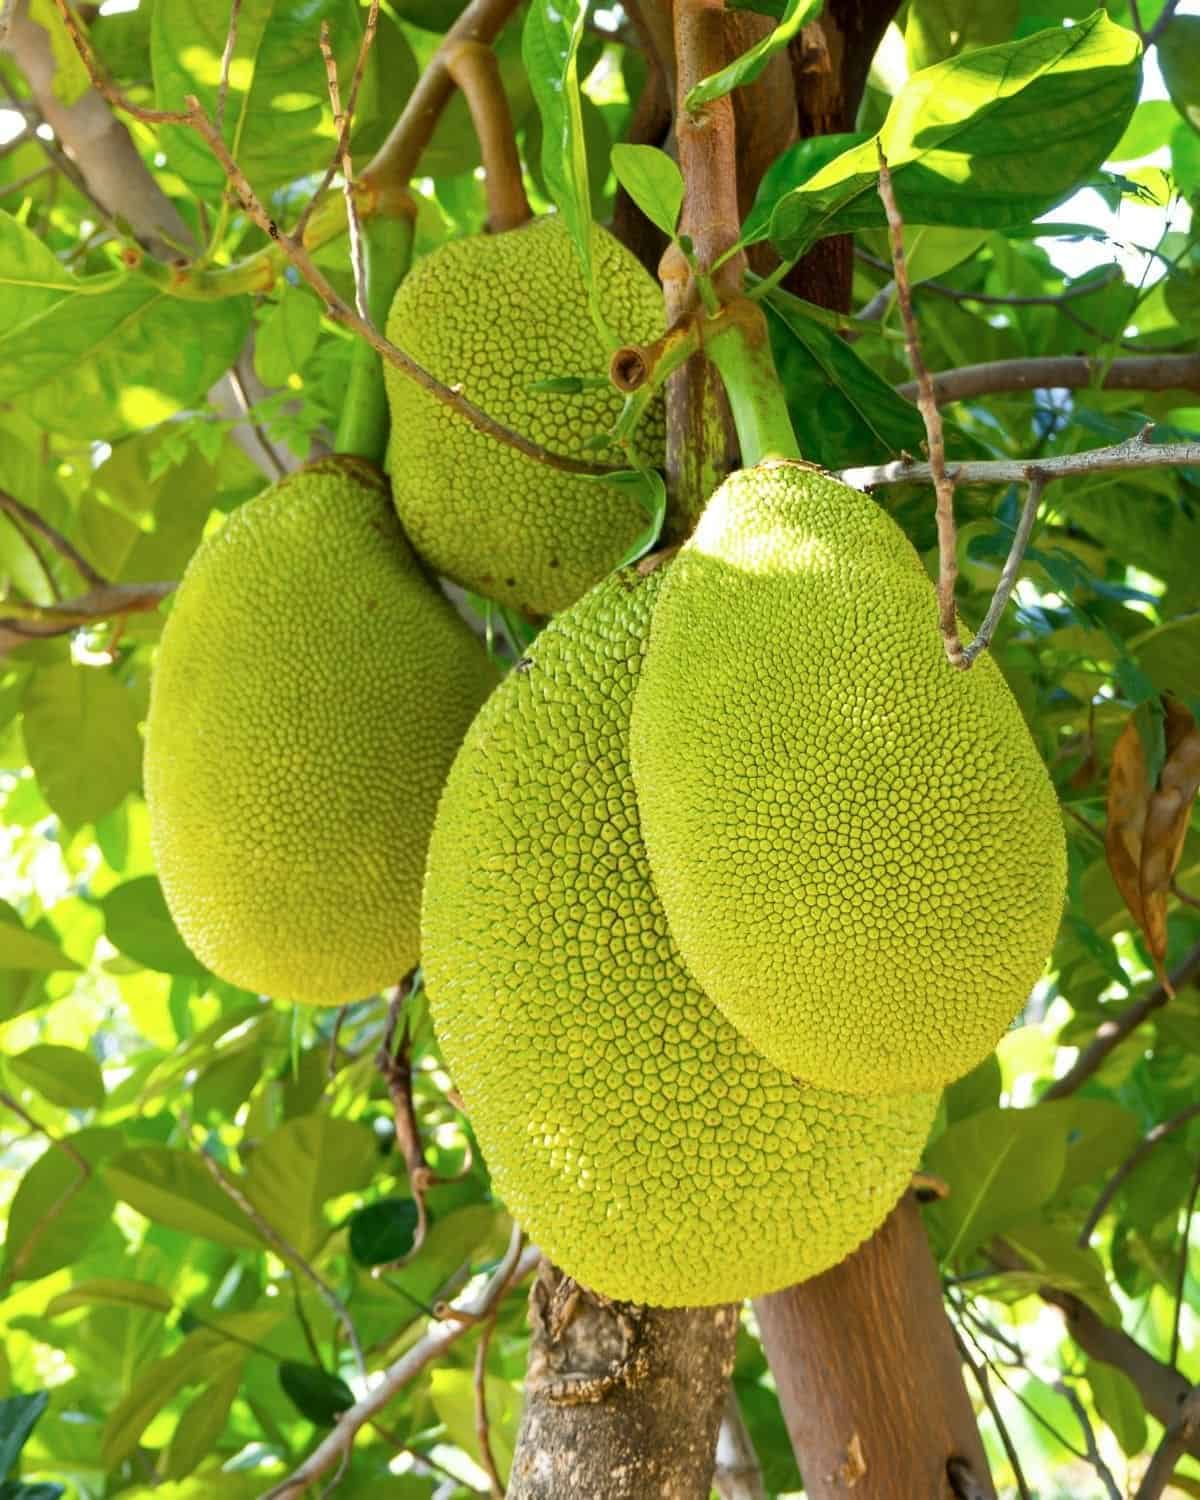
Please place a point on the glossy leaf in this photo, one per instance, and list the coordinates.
(384, 1231)
(315, 1393)
(653, 181)
(746, 68)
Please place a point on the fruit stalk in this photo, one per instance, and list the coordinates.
(364, 424)
(741, 351)
(474, 68)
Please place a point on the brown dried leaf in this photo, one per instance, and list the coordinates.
(1167, 815)
(1128, 799)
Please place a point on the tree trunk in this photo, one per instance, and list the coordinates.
(868, 1376)
(621, 1402)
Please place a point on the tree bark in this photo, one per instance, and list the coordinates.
(621, 1402)
(868, 1376)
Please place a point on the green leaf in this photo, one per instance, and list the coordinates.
(1001, 1165)
(64, 1075)
(201, 1424)
(1099, 1133)
(287, 336)
(278, 122)
(646, 486)
(122, 358)
(746, 68)
(1170, 655)
(937, 29)
(32, 278)
(18, 1416)
(58, 1209)
(16, 1489)
(22, 949)
(138, 923)
(453, 1395)
(384, 1231)
(303, 1163)
(315, 1393)
(653, 181)
(1178, 51)
(977, 1090)
(550, 47)
(173, 1188)
(82, 737)
(110, 1291)
(1119, 1404)
(959, 138)
(1057, 1260)
(791, 169)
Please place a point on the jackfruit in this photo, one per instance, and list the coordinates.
(310, 691)
(496, 314)
(858, 848)
(638, 1137)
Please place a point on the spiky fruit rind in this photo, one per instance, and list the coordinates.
(495, 314)
(858, 847)
(641, 1141)
(310, 691)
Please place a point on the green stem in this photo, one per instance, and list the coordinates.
(363, 428)
(741, 351)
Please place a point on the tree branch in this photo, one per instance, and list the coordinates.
(61, 545)
(475, 69)
(1111, 1034)
(516, 1265)
(738, 1474)
(1136, 453)
(1131, 1163)
(1011, 569)
(100, 603)
(1150, 372)
(943, 479)
(1178, 1439)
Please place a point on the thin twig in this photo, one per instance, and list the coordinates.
(516, 1265)
(482, 1432)
(30, 177)
(943, 482)
(102, 85)
(104, 603)
(1111, 1034)
(1001, 299)
(286, 1252)
(1135, 453)
(1011, 570)
(1174, 1444)
(1181, 1272)
(235, 9)
(1089, 1439)
(979, 1374)
(353, 224)
(737, 1473)
(1146, 372)
(61, 545)
(1131, 1162)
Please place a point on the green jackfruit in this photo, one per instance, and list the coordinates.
(858, 847)
(649, 1150)
(496, 314)
(310, 691)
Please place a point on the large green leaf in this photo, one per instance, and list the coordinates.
(201, 1424)
(81, 732)
(173, 1188)
(303, 1163)
(278, 122)
(32, 278)
(22, 949)
(960, 137)
(1120, 1404)
(64, 1075)
(111, 1290)
(58, 1209)
(126, 357)
(137, 922)
(453, 1396)
(1170, 655)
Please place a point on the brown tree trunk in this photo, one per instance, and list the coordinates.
(868, 1375)
(621, 1402)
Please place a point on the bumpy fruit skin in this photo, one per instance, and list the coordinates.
(310, 691)
(497, 313)
(858, 847)
(649, 1150)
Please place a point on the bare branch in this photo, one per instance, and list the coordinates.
(226, 59)
(1175, 1442)
(738, 1474)
(979, 1374)
(1011, 569)
(61, 545)
(100, 603)
(476, 71)
(516, 1265)
(495, 1483)
(341, 123)
(1112, 1489)
(1149, 372)
(1131, 1162)
(1136, 453)
(943, 482)
(1111, 1034)
(286, 1252)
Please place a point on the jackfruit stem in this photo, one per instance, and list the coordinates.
(741, 351)
(474, 68)
(364, 424)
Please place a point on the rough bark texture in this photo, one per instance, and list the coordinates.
(621, 1402)
(868, 1375)
(830, 62)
